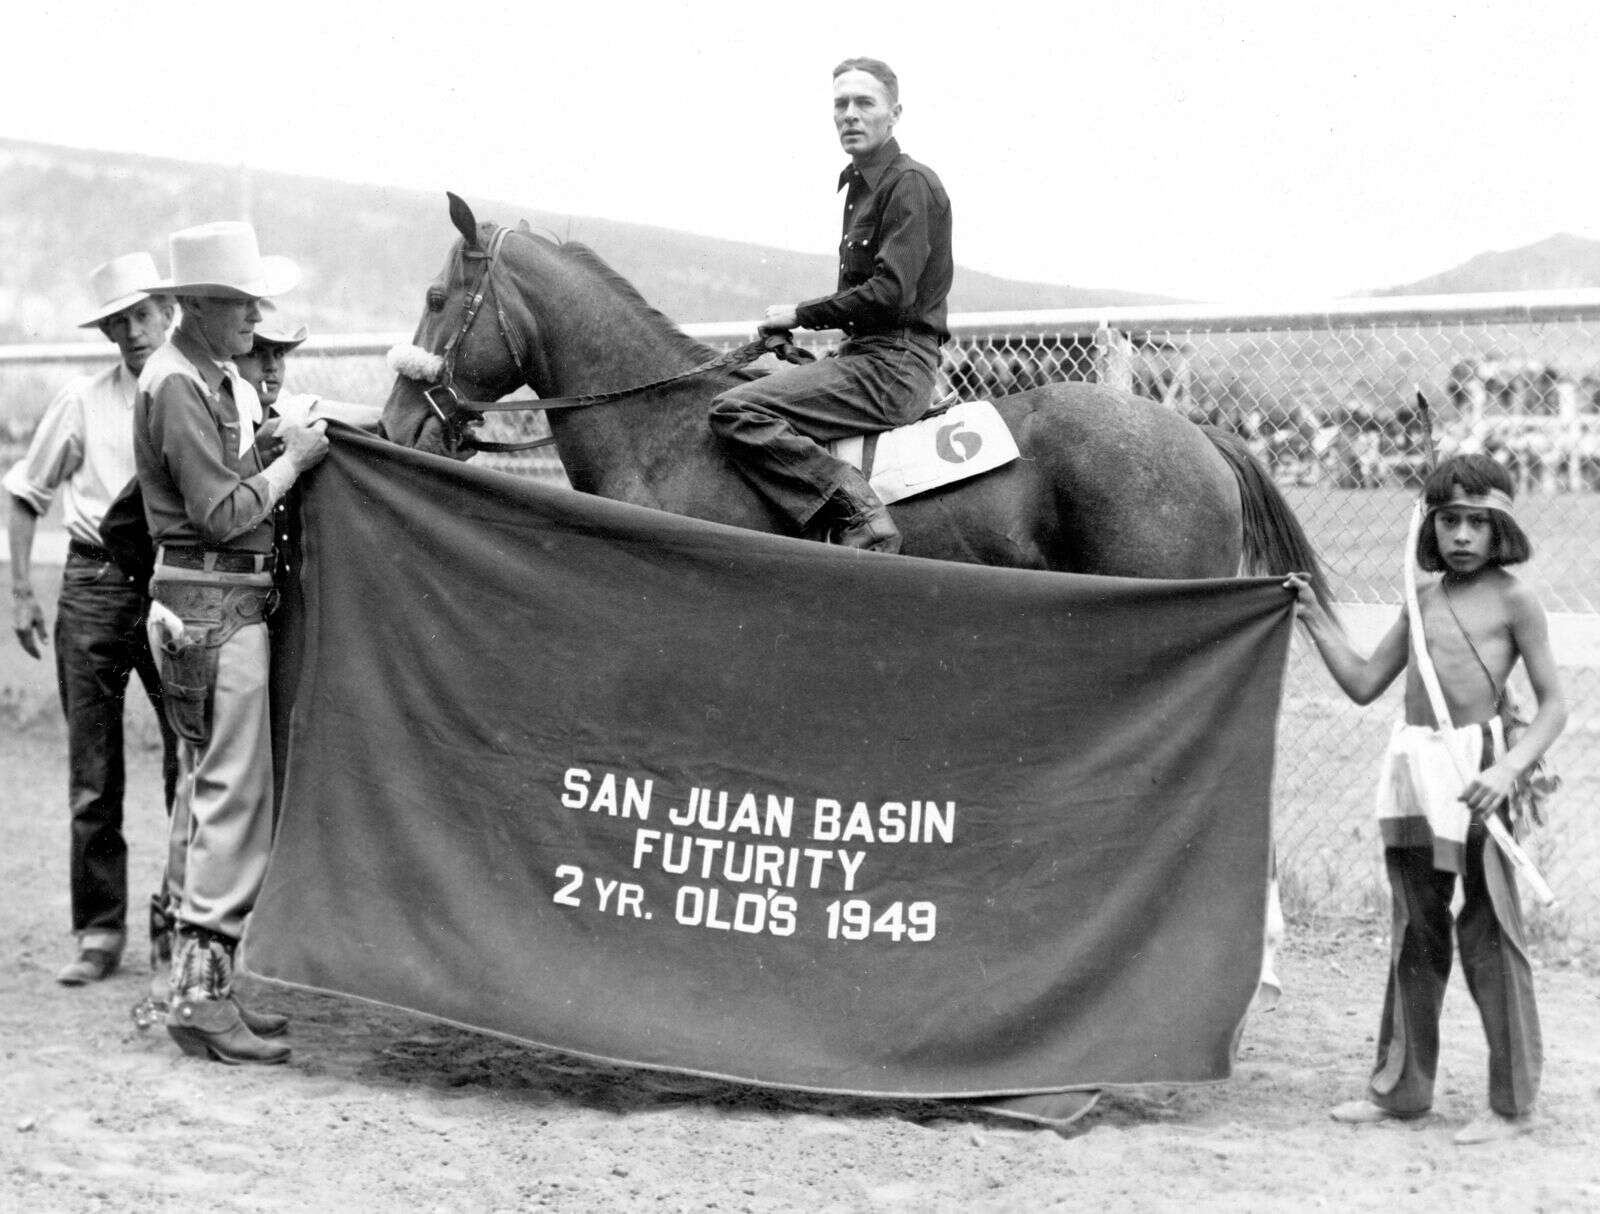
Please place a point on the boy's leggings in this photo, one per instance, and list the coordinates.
(1494, 960)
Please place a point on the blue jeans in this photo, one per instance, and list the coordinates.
(100, 640)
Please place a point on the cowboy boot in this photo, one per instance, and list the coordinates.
(203, 1019)
(153, 1006)
(861, 520)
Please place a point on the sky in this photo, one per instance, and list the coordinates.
(1232, 152)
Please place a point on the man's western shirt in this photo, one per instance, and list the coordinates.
(194, 423)
(895, 266)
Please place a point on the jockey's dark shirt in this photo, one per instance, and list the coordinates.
(894, 258)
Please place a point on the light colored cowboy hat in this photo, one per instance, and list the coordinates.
(223, 259)
(120, 283)
(274, 329)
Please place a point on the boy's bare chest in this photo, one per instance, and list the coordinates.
(1468, 637)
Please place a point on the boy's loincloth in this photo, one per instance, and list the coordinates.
(1419, 787)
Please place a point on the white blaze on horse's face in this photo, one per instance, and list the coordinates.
(862, 112)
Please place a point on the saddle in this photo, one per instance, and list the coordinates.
(954, 441)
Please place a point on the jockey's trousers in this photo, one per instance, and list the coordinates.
(773, 425)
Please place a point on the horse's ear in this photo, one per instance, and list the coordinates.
(524, 226)
(461, 216)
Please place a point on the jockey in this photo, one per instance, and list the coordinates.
(894, 274)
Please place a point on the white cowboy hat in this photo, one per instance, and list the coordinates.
(273, 328)
(120, 283)
(222, 259)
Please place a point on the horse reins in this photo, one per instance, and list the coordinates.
(457, 416)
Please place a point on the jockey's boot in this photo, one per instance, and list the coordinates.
(860, 519)
(203, 1018)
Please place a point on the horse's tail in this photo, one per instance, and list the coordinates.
(1274, 540)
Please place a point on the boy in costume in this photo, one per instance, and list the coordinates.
(1478, 621)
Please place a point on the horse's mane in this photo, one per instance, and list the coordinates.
(662, 324)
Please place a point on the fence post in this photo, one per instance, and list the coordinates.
(1113, 358)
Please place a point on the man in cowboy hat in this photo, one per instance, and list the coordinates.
(264, 364)
(208, 499)
(126, 534)
(264, 368)
(83, 446)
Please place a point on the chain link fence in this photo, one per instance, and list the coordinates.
(1326, 399)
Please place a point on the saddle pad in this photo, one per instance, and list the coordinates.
(960, 442)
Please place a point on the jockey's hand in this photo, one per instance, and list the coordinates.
(779, 318)
(1489, 789)
(27, 620)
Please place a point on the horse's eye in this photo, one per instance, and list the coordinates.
(435, 299)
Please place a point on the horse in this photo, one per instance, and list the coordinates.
(1107, 483)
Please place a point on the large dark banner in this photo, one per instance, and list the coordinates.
(658, 791)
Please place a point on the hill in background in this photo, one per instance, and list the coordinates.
(369, 251)
(1556, 263)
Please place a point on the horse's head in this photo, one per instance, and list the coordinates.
(464, 349)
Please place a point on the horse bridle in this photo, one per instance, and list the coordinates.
(458, 416)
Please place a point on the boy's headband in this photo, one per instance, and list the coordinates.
(1491, 499)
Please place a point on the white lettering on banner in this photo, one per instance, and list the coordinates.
(720, 866)
(770, 815)
(854, 920)
(753, 863)
(752, 912)
(616, 897)
(895, 822)
(710, 812)
(635, 801)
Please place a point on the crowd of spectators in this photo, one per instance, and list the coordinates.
(1351, 446)
(1543, 455)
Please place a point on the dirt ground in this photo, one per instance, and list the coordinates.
(383, 1110)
